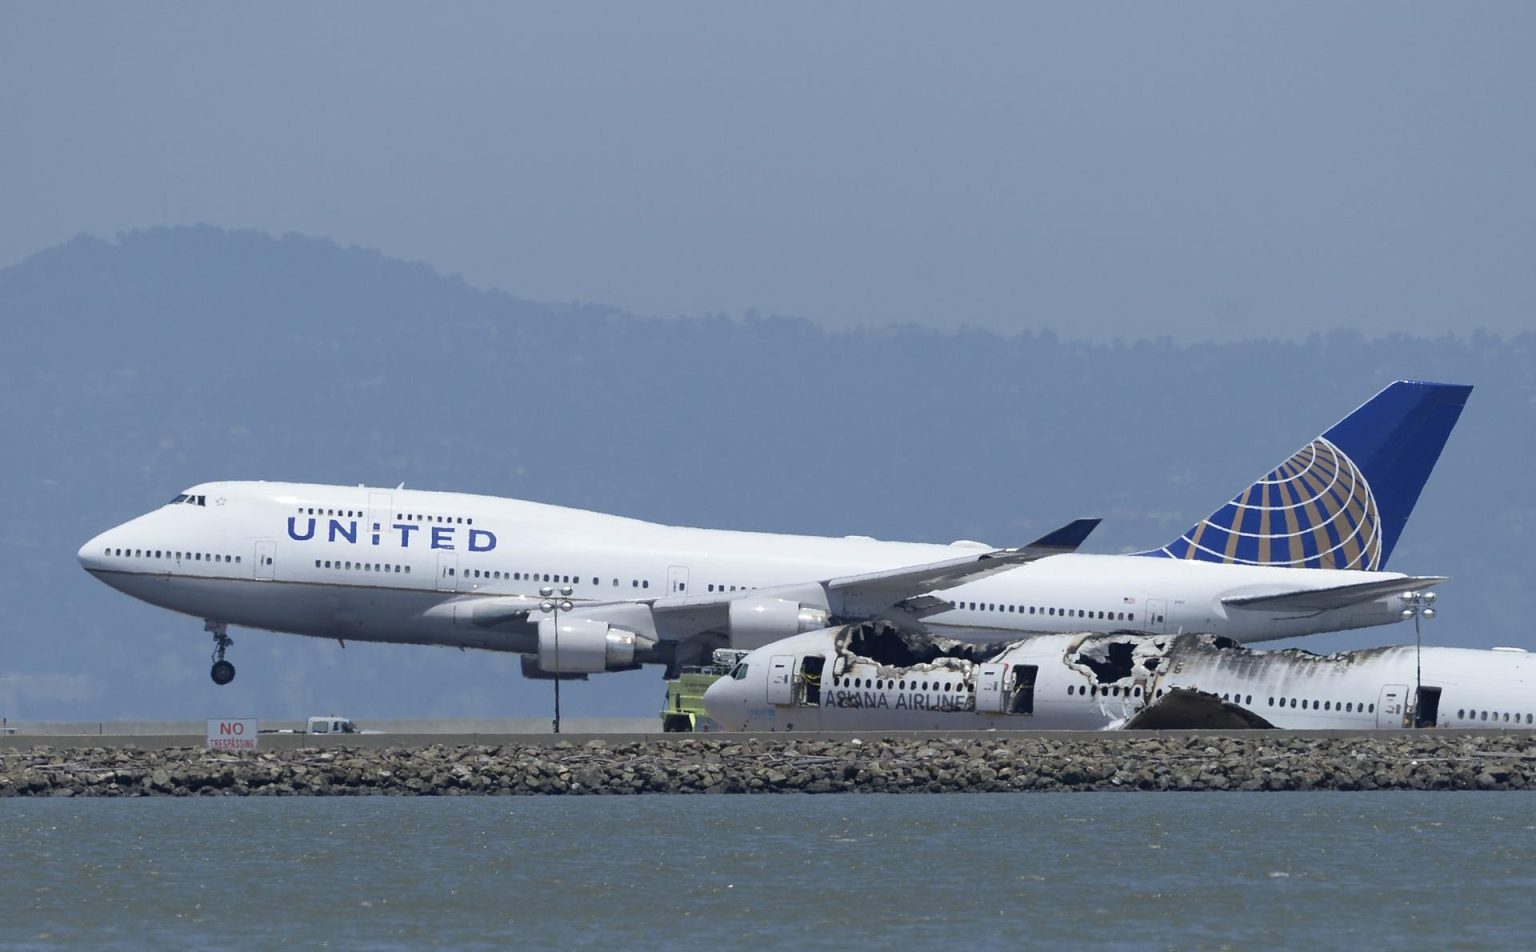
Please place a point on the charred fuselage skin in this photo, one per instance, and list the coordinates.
(871, 676)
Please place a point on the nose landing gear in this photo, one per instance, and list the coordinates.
(223, 671)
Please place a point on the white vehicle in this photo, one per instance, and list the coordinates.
(873, 677)
(577, 592)
(330, 725)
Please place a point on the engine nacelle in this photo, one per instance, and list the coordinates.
(757, 621)
(587, 645)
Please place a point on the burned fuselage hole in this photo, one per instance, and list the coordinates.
(1109, 661)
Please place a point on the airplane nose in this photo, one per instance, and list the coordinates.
(93, 554)
(723, 703)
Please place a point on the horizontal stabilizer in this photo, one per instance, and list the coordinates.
(1338, 596)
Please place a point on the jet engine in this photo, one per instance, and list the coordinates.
(757, 621)
(584, 645)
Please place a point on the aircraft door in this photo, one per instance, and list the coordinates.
(1426, 709)
(1389, 708)
(781, 680)
(380, 515)
(677, 579)
(1021, 693)
(1157, 615)
(265, 566)
(989, 688)
(447, 570)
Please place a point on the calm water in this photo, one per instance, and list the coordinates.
(709, 872)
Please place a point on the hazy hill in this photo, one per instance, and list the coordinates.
(136, 367)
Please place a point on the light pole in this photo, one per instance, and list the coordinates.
(551, 605)
(1418, 605)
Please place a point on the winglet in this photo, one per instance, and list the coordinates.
(1067, 538)
(1340, 501)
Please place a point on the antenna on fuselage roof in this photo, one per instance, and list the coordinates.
(401, 486)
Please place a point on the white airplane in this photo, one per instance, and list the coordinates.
(580, 592)
(874, 677)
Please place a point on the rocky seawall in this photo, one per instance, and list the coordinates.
(784, 764)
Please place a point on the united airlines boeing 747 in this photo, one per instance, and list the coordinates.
(577, 592)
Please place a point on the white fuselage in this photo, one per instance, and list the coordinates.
(407, 566)
(1077, 683)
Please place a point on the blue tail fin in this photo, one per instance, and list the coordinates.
(1341, 501)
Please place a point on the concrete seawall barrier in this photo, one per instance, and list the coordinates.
(782, 764)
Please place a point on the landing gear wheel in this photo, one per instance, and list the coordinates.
(222, 672)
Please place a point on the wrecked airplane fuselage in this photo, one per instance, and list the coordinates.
(877, 676)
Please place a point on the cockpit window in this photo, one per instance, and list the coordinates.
(739, 672)
(189, 500)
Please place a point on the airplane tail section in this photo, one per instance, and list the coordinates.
(1341, 501)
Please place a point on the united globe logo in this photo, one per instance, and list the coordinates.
(1314, 510)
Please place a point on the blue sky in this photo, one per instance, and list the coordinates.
(1203, 171)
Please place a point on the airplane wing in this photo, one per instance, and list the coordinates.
(1338, 596)
(902, 590)
(874, 592)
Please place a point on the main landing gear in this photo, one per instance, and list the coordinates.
(222, 672)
